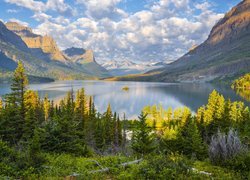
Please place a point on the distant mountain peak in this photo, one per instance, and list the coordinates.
(126, 67)
(73, 51)
(80, 55)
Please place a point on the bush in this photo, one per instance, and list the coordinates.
(159, 167)
(224, 147)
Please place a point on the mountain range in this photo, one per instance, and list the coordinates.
(42, 57)
(223, 56)
(126, 67)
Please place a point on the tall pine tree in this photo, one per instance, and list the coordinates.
(143, 139)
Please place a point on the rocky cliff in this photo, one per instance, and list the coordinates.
(79, 55)
(234, 25)
(86, 59)
(226, 52)
(34, 41)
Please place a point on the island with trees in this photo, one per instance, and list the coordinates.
(242, 86)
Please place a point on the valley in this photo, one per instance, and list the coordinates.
(121, 89)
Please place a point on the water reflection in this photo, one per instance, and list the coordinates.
(245, 93)
(139, 94)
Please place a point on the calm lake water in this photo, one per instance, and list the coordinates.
(140, 94)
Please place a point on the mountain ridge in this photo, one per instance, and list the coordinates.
(119, 68)
(40, 61)
(225, 53)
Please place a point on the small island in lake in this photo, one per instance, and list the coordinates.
(125, 88)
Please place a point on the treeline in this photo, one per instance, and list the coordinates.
(31, 128)
(242, 82)
(219, 131)
(31, 125)
(242, 86)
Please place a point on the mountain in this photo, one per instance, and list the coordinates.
(34, 41)
(41, 56)
(86, 60)
(224, 55)
(121, 68)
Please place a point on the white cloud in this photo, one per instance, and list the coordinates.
(99, 9)
(37, 6)
(30, 4)
(12, 11)
(60, 6)
(18, 21)
(164, 31)
(41, 16)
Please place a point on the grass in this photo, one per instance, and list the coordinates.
(65, 166)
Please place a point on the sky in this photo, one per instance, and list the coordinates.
(135, 30)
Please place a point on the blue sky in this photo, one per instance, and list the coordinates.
(137, 30)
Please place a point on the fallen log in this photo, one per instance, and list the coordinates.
(123, 165)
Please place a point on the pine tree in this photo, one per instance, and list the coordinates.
(190, 141)
(108, 124)
(15, 107)
(99, 134)
(90, 123)
(1, 104)
(80, 109)
(35, 157)
(143, 139)
(18, 88)
(46, 107)
(31, 103)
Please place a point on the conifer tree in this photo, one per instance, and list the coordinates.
(18, 88)
(108, 123)
(31, 103)
(143, 139)
(1, 104)
(80, 109)
(35, 158)
(15, 108)
(46, 107)
(90, 123)
(190, 140)
(99, 134)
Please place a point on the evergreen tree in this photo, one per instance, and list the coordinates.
(46, 107)
(109, 126)
(190, 140)
(35, 157)
(14, 116)
(31, 103)
(80, 110)
(99, 134)
(90, 124)
(143, 139)
(1, 104)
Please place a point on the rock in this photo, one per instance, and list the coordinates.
(34, 41)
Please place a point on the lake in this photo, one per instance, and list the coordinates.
(140, 94)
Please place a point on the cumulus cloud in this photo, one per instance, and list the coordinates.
(102, 9)
(38, 6)
(18, 21)
(165, 30)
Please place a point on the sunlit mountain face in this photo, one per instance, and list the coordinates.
(146, 30)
